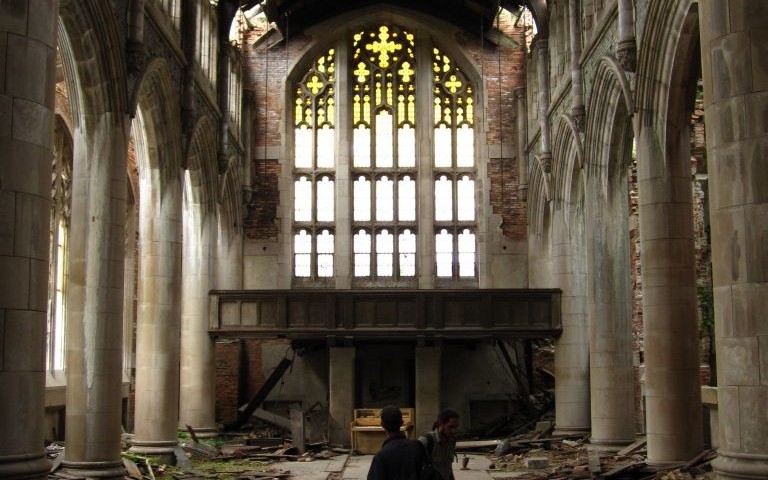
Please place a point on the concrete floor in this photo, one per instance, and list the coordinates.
(355, 467)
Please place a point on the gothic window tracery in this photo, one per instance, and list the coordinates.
(314, 185)
(384, 166)
(61, 195)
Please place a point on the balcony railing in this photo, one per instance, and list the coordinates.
(399, 314)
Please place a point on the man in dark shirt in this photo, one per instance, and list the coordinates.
(440, 444)
(399, 458)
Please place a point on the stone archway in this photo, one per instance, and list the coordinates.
(157, 135)
(95, 75)
(197, 399)
(608, 147)
(572, 347)
(667, 68)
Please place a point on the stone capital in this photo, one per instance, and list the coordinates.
(626, 55)
(579, 116)
(545, 160)
(136, 56)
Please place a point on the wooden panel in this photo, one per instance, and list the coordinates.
(406, 314)
(250, 314)
(297, 313)
(230, 314)
(365, 313)
(540, 312)
(268, 313)
(318, 313)
(386, 313)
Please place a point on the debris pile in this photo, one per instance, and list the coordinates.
(538, 455)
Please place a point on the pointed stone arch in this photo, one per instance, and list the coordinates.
(93, 62)
(93, 48)
(607, 148)
(200, 159)
(667, 63)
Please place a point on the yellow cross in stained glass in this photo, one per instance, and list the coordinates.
(406, 72)
(361, 72)
(453, 84)
(314, 85)
(383, 47)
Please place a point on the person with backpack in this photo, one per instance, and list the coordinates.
(440, 443)
(399, 458)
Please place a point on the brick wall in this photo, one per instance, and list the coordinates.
(240, 373)
(505, 197)
(260, 223)
(227, 380)
(502, 68)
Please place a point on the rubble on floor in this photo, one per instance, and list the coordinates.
(532, 452)
(538, 455)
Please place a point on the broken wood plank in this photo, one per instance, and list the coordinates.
(192, 433)
(264, 442)
(632, 447)
(477, 444)
(273, 418)
(200, 449)
(263, 392)
(701, 457)
(621, 468)
(595, 464)
(132, 469)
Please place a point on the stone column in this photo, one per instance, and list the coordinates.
(542, 79)
(572, 348)
(343, 253)
(428, 385)
(609, 309)
(425, 125)
(341, 393)
(159, 315)
(522, 142)
(95, 301)
(28, 46)
(197, 400)
(735, 71)
(626, 51)
(577, 90)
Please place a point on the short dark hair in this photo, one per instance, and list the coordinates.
(391, 418)
(446, 415)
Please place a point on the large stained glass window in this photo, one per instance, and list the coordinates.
(314, 190)
(383, 76)
(391, 176)
(453, 169)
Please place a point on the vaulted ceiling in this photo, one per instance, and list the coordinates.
(297, 15)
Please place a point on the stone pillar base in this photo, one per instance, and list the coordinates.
(740, 466)
(162, 449)
(608, 445)
(25, 466)
(148, 447)
(203, 432)
(664, 465)
(568, 431)
(94, 469)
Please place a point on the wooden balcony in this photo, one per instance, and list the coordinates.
(385, 314)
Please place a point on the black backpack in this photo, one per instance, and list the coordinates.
(428, 471)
